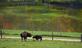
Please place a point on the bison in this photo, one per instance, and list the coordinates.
(24, 35)
(37, 37)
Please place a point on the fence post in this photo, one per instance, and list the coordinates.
(81, 37)
(1, 29)
(1, 34)
(52, 35)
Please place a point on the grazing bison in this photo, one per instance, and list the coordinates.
(24, 35)
(37, 37)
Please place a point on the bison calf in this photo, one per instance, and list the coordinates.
(37, 37)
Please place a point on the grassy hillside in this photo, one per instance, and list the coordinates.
(42, 18)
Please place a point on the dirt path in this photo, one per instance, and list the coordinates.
(48, 38)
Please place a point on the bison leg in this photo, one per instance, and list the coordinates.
(40, 39)
(25, 38)
(21, 38)
(37, 39)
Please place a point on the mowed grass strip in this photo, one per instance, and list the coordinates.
(17, 33)
(16, 43)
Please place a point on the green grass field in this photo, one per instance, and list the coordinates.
(16, 43)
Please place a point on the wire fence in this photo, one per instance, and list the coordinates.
(41, 17)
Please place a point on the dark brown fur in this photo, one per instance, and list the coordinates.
(37, 37)
(24, 35)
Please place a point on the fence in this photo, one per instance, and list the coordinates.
(45, 17)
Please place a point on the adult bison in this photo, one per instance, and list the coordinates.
(37, 37)
(24, 35)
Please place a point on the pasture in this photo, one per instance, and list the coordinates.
(37, 16)
(16, 43)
